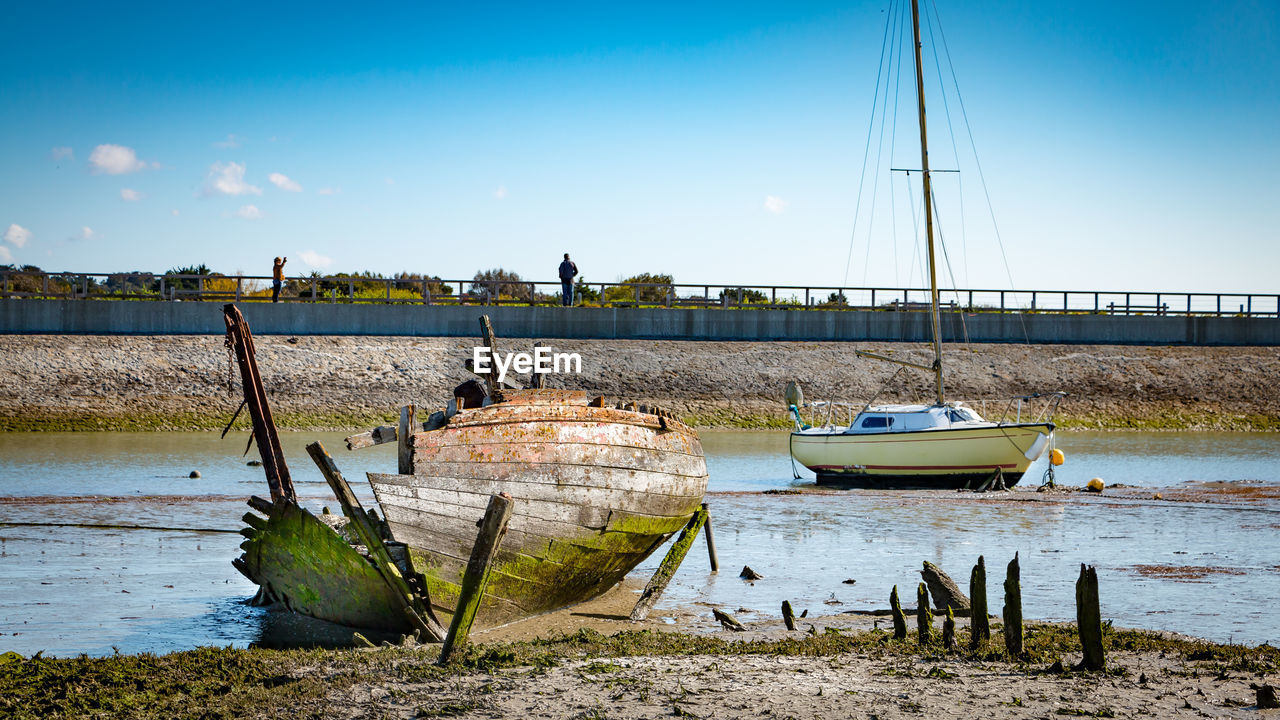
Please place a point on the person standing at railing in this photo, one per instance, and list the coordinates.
(277, 278)
(568, 269)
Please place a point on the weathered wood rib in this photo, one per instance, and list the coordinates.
(562, 453)
(308, 567)
(507, 412)
(585, 432)
(545, 396)
(579, 496)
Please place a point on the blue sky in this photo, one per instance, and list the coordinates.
(1124, 145)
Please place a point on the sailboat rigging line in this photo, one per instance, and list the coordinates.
(964, 113)
(951, 134)
(895, 46)
(946, 257)
(862, 178)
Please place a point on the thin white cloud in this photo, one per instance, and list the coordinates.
(174, 212)
(328, 191)
(233, 141)
(389, 180)
(115, 160)
(249, 212)
(775, 204)
(86, 233)
(6, 257)
(17, 235)
(283, 182)
(501, 192)
(315, 259)
(228, 180)
(130, 195)
(62, 152)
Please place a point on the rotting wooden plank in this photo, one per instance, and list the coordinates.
(562, 431)
(377, 436)
(585, 477)
(404, 434)
(979, 623)
(491, 377)
(492, 528)
(508, 413)
(544, 396)
(1089, 619)
(264, 430)
(551, 491)
(945, 592)
(600, 456)
(536, 380)
(418, 612)
(667, 569)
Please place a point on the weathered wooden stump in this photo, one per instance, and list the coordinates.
(788, 615)
(946, 594)
(404, 438)
(727, 621)
(1089, 619)
(949, 630)
(1013, 609)
(899, 620)
(979, 623)
(924, 616)
(711, 541)
(1266, 697)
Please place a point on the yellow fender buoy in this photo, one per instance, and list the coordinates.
(1057, 457)
(1095, 485)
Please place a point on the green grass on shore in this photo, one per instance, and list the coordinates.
(230, 683)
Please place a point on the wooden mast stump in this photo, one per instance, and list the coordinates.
(658, 583)
(788, 615)
(979, 622)
(924, 616)
(899, 619)
(476, 578)
(404, 439)
(1089, 619)
(1013, 609)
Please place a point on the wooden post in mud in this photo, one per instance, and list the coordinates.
(788, 615)
(949, 630)
(1089, 619)
(537, 380)
(924, 616)
(476, 577)
(1013, 609)
(240, 339)
(899, 620)
(417, 611)
(404, 438)
(491, 377)
(943, 589)
(658, 583)
(979, 623)
(711, 541)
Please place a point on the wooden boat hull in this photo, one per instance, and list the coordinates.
(935, 458)
(596, 491)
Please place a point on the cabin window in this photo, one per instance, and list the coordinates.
(877, 422)
(956, 416)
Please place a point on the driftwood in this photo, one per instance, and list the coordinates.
(711, 541)
(493, 526)
(417, 610)
(376, 436)
(788, 615)
(1013, 608)
(1089, 619)
(979, 623)
(727, 621)
(899, 620)
(946, 594)
(749, 574)
(667, 569)
(1265, 696)
(924, 617)
(491, 377)
(537, 380)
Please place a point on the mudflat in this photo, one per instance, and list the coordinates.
(73, 382)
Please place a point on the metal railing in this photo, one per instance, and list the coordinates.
(433, 291)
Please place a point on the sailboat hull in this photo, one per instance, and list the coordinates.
(946, 458)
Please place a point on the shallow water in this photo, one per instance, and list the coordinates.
(77, 589)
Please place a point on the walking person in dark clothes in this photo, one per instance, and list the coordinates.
(567, 272)
(277, 278)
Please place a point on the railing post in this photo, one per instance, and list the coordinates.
(873, 298)
(1248, 300)
(388, 291)
(1126, 304)
(1001, 301)
(239, 282)
(44, 288)
(1065, 303)
(1033, 301)
(1219, 305)
(1095, 302)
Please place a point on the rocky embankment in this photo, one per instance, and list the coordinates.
(181, 382)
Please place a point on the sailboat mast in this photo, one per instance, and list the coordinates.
(928, 208)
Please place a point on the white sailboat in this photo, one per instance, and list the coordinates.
(939, 445)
